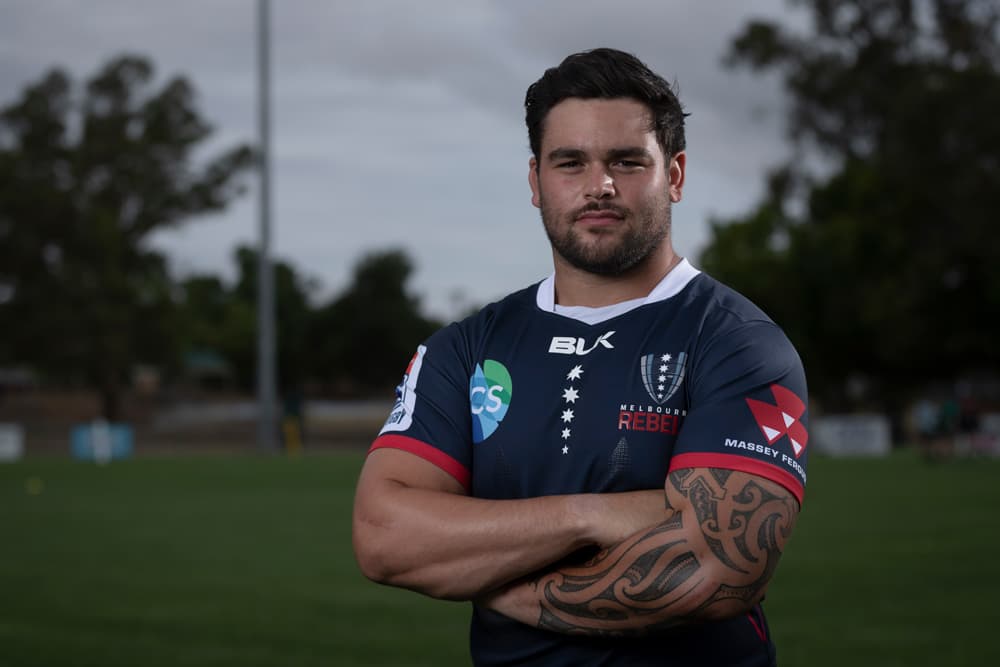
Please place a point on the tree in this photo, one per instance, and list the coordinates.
(222, 319)
(85, 178)
(880, 266)
(361, 341)
(356, 344)
(213, 324)
(293, 315)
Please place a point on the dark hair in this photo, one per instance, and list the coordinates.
(606, 74)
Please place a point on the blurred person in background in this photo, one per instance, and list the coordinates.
(608, 464)
(925, 421)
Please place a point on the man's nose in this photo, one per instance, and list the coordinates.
(601, 186)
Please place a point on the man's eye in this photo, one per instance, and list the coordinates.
(568, 164)
(628, 164)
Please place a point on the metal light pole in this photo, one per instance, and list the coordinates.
(266, 423)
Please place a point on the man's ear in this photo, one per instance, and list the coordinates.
(675, 174)
(536, 199)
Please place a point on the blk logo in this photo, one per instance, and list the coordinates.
(571, 345)
(782, 418)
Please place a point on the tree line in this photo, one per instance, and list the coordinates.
(86, 177)
(881, 265)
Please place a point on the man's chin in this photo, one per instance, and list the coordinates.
(610, 266)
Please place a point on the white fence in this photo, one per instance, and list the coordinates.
(11, 442)
(851, 435)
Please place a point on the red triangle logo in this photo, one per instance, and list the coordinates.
(782, 418)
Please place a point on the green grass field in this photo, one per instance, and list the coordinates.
(247, 561)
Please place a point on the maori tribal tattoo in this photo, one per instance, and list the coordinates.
(712, 558)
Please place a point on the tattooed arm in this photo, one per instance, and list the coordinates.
(712, 558)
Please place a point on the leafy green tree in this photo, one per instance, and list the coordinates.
(293, 314)
(223, 319)
(881, 265)
(86, 176)
(360, 342)
(356, 344)
(212, 321)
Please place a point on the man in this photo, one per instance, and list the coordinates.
(525, 463)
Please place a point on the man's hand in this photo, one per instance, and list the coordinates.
(613, 517)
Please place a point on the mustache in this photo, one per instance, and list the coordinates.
(595, 207)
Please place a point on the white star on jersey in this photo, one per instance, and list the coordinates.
(665, 357)
(570, 395)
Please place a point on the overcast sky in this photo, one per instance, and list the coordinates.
(400, 124)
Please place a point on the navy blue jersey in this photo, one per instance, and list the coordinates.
(519, 401)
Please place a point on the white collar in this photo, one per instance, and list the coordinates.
(671, 284)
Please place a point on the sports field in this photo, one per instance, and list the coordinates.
(247, 561)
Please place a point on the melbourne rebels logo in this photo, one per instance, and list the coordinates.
(662, 374)
(490, 389)
(782, 418)
(401, 417)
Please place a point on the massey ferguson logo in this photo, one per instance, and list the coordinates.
(571, 345)
(782, 418)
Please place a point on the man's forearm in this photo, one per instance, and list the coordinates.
(457, 547)
(712, 559)
(454, 547)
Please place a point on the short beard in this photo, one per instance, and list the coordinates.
(634, 248)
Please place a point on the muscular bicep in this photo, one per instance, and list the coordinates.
(712, 558)
(737, 524)
(396, 466)
(401, 509)
(385, 472)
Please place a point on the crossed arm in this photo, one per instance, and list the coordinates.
(712, 558)
(415, 527)
(709, 553)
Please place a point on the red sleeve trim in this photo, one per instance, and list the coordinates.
(743, 464)
(427, 453)
(756, 626)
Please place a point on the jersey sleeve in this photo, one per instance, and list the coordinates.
(431, 417)
(748, 408)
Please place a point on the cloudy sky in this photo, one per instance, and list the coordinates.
(400, 124)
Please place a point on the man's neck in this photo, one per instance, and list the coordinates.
(575, 287)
